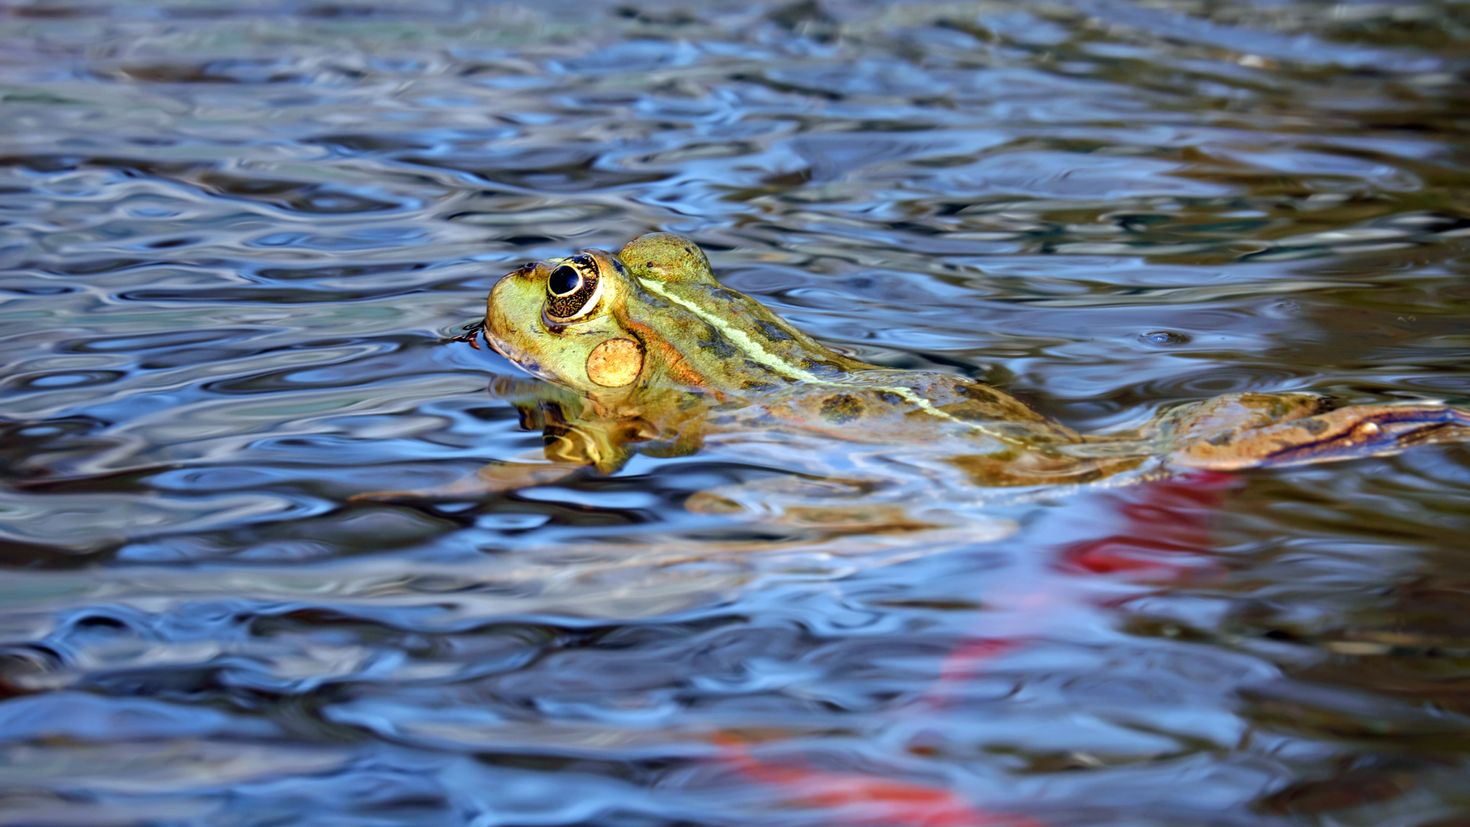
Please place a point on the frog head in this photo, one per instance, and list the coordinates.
(652, 316)
(562, 320)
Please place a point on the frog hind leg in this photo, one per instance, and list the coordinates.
(1210, 440)
(1232, 412)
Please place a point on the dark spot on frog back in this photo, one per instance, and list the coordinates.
(716, 342)
(760, 378)
(841, 408)
(733, 304)
(772, 331)
(979, 393)
(1315, 427)
(822, 369)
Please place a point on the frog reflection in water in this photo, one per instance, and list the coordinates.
(660, 357)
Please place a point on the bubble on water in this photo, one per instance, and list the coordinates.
(1164, 338)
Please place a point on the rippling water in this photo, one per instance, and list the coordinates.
(236, 238)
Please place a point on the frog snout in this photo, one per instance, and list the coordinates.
(512, 301)
(496, 299)
(500, 291)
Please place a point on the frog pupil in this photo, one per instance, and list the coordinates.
(563, 280)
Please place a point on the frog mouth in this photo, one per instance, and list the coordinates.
(515, 357)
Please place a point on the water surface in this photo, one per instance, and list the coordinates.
(235, 240)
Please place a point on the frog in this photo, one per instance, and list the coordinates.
(646, 351)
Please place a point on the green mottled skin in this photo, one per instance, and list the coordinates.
(717, 360)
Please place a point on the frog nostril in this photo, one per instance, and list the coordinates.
(563, 281)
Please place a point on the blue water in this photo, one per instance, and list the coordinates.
(236, 241)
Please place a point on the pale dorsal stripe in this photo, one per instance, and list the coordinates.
(765, 358)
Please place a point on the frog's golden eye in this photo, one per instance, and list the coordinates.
(572, 288)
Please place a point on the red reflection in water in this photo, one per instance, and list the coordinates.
(1161, 534)
(863, 800)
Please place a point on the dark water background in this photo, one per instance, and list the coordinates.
(234, 237)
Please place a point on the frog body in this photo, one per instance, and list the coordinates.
(659, 354)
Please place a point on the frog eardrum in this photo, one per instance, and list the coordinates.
(572, 289)
(615, 363)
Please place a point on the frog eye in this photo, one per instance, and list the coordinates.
(571, 289)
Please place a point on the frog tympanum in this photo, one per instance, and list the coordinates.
(655, 355)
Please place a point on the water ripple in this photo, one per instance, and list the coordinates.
(235, 239)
